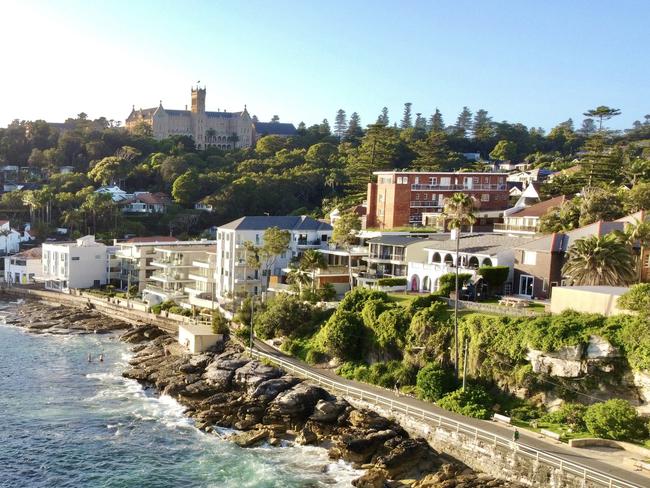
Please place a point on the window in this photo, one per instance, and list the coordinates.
(544, 284)
(417, 196)
(380, 198)
(417, 180)
(476, 179)
(485, 197)
(76, 258)
(530, 257)
(433, 180)
(646, 261)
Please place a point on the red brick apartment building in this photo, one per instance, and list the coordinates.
(399, 198)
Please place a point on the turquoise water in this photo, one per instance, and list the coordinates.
(67, 423)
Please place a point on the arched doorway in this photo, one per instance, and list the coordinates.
(426, 284)
(473, 262)
(449, 260)
(487, 262)
(436, 257)
(415, 283)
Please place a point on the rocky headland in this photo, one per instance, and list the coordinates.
(225, 388)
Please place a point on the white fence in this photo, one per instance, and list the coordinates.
(581, 472)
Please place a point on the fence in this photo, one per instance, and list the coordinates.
(581, 472)
(497, 309)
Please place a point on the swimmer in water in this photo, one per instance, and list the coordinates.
(101, 358)
(90, 358)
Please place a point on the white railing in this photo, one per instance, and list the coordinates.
(584, 473)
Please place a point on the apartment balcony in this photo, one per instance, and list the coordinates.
(205, 263)
(246, 279)
(385, 257)
(164, 292)
(426, 204)
(334, 271)
(314, 244)
(473, 187)
(204, 276)
(171, 278)
(523, 229)
(170, 263)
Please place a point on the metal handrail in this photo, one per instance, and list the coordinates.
(587, 474)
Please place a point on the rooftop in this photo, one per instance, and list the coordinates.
(275, 128)
(465, 173)
(488, 243)
(540, 208)
(406, 240)
(605, 290)
(286, 222)
(34, 253)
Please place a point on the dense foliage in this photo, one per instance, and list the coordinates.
(473, 401)
(614, 419)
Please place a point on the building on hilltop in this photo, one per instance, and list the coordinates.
(282, 129)
(405, 198)
(221, 129)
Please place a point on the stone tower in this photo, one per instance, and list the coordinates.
(198, 100)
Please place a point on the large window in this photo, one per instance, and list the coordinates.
(530, 257)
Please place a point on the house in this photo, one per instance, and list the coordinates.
(21, 268)
(83, 263)
(116, 193)
(389, 255)
(527, 177)
(178, 268)
(9, 239)
(399, 198)
(359, 210)
(204, 205)
(146, 203)
(476, 250)
(644, 251)
(538, 262)
(234, 278)
(526, 220)
(66, 170)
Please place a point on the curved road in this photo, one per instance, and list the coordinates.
(527, 439)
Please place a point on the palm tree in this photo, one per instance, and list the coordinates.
(310, 261)
(458, 210)
(598, 260)
(300, 277)
(636, 234)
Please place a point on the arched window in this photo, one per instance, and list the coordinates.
(436, 257)
(473, 262)
(449, 260)
(426, 284)
(486, 262)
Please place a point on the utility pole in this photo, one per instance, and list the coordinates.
(465, 363)
(128, 288)
(251, 331)
(456, 296)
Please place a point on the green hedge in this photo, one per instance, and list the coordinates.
(391, 282)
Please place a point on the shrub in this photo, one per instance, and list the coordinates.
(355, 299)
(282, 316)
(372, 310)
(314, 357)
(390, 328)
(571, 414)
(474, 401)
(637, 299)
(391, 282)
(243, 334)
(341, 335)
(327, 292)
(614, 419)
(387, 374)
(156, 309)
(219, 323)
(447, 282)
(494, 276)
(424, 301)
(433, 382)
(525, 413)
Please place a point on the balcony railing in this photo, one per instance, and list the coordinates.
(426, 204)
(477, 186)
(307, 242)
(516, 228)
(386, 256)
(170, 277)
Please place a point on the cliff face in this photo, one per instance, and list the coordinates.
(224, 388)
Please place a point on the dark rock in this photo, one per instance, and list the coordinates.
(373, 478)
(253, 373)
(250, 438)
(270, 389)
(299, 401)
(306, 437)
(327, 411)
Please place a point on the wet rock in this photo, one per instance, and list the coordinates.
(299, 401)
(360, 448)
(306, 437)
(328, 411)
(373, 478)
(250, 438)
(269, 389)
(407, 455)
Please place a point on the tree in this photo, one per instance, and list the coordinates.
(276, 241)
(598, 260)
(602, 112)
(436, 123)
(483, 126)
(463, 124)
(599, 204)
(354, 131)
(600, 163)
(382, 119)
(614, 419)
(504, 151)
(588, 127)
(186, 187)
(345, 234)
(109, 170)
(433, 382)
(275, 119)
(561, 218)
(636, 235)
(269, 145)
(219, 323)
(340, 337)
(310, 261)
(637, 299)
(472, 401)
(494, 276)
(340, 124)
(458, 210)
(324, 128)
(407, 121)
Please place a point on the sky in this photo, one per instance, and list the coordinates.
(530, 61)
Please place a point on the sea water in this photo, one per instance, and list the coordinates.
(65, 422)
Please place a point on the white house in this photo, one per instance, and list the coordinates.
(524, 219)
(203, 205)
(23, 267)
(9, 239)
(83, 263)
(116, 193)
(233, 277)
(476, 250)
(146, 203)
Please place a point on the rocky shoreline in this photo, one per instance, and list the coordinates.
(225, 388)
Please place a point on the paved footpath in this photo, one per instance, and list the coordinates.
(574, 455)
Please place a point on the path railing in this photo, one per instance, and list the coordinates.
(581, 472)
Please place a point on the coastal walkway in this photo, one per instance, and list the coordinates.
(570, 460)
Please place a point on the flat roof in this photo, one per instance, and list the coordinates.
(501, 173)
(601, 289)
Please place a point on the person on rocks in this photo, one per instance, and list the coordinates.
(515, 436)
(396, 388)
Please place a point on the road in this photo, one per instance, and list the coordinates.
(528, 439)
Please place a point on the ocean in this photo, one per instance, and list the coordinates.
(65, 422)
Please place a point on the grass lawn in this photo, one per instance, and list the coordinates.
(561, 429)
(532, 306)
(402, 298)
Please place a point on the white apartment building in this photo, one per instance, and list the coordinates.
(135, 256)
(179, 271)
(83, 263)
(9, 239)
(23, 267)
(233, 278)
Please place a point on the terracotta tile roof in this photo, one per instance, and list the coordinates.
(34, 253)
(149, 198)
(540, 208)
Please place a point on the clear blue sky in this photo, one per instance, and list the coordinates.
(537, 62)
